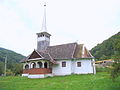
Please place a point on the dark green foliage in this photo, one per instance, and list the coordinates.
(12, 56)
(102, 69)
(107, 48)
(13, 61)
(1, 68)
(17, 70)
(115, 72)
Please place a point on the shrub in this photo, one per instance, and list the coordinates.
(102, 69)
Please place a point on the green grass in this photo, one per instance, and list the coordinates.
(100, 81)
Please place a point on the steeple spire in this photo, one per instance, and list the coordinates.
(44, 28)
(43, 38)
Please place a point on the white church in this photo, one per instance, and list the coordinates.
(64, 59)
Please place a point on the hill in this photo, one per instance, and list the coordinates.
(107, 48)
(13, 61)
(11, 55)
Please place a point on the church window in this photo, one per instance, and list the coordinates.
(78, 64)
(63, 64)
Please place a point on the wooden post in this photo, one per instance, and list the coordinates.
(5, 65)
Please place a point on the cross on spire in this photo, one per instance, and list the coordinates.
(44, 28)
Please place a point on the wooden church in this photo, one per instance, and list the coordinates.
(64, 59)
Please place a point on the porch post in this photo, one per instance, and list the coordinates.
(43, 64)
(37, 66)
(29, 65)
(47, 64)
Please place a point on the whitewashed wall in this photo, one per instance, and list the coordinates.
(86, 67)
(59, 70)
(71, 67)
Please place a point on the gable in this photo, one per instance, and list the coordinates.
(78, 51)
(86, 53)
(82, 52)
(34, 55)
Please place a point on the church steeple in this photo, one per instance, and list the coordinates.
(43, 38)
(44, 27)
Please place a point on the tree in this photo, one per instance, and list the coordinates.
(115, 72)
(107, 48)
(1, 68)
(17, 69)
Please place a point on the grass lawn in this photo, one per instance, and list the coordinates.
(100, 81)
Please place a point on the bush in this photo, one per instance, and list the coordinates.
(9, 73)
(102, 69)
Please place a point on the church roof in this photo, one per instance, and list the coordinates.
(64, 51)
(45, 33)
(69, 51)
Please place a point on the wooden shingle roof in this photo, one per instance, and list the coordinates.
(64, 51)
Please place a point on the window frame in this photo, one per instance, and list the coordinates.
(78, 64)
(64, 64)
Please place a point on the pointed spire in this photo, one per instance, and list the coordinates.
(44, 28)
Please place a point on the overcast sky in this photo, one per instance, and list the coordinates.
(83, 21)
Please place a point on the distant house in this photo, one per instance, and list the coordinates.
(104, 63)
(64, 59)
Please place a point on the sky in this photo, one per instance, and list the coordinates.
(86, 22)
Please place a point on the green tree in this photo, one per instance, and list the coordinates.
(107, 48)
(17, 69)
(1, 68)
(115, 72)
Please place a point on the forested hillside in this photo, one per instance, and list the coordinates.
(13, 61)
(108, 48)
(12, 56)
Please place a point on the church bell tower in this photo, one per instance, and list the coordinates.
(43, 38)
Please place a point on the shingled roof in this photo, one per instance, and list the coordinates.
(64, 51)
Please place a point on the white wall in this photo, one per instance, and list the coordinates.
(59, 70)
(86, 67)
(71, 67)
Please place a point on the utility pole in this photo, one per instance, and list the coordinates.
(5, 65)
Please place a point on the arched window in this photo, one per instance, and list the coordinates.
(45, 65)
(40, 64)
(33, 65)
(26, 66)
